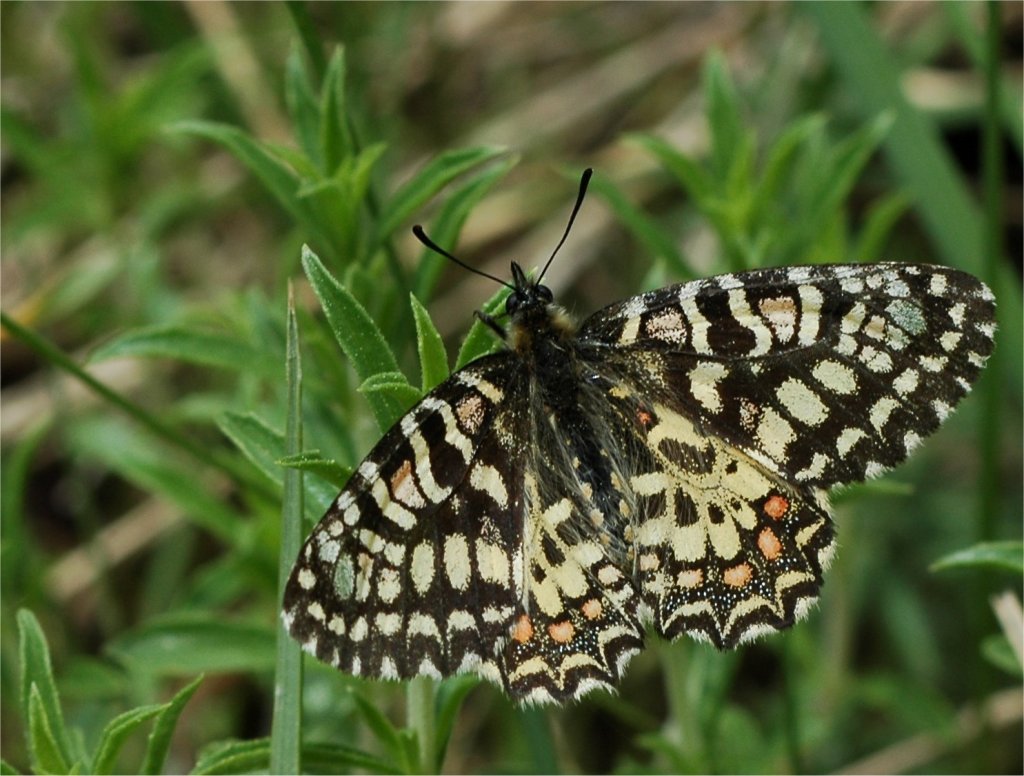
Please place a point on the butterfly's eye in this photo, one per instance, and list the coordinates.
(544, 294)
(513, 303)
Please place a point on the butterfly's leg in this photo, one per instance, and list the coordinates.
(492, 322)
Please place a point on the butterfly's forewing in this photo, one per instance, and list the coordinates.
(416, 568)
(826, 374)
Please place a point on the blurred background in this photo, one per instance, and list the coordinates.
(164, 163)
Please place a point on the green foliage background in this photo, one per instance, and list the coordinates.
(212, 307)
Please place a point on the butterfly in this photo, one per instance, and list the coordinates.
(664, 464)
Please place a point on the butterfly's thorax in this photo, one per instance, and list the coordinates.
(543, 337)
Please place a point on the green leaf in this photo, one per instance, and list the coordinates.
(393, 387)
(848, 161)
(234, 757)
(286, 727)
(728, 135)
(261, 444)
(191, 643)
(186, 344)
(116, 732)
(913, 147)
(279, 180)
(37, 679)
(430, 346)
(335, 141)
(999, 652)
(264, 447)
(779, 164)
(302, 106)
(879, 222)
(6, 769)
(44, 749)
(159, 742)
(357, 335)
(323, 758)
(690, 176)
(996, 556)
(378, 724)
(450, 695)
(445, 228)
(153, 422)
(312, 461)
(427, 182)
(136, 458)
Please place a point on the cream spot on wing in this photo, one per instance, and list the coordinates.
(487, 479)
(403, 487)
(906, 382)
(881, 410)
(667, 326)
(781, 314)
(388, 623)
(492, 561)
(456, 561)
(422, 567)
(774, 434)
(690, 578)
(470, 412)
(801, 402)
(835, 377)
(876, 360)
(704, 380)
(388, 585)
(847, 439)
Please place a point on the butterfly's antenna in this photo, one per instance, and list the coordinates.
(584, 182)
(422, 237)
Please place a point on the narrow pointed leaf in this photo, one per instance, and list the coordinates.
(311, 461)
(428, 181)
(44, 749)
(445, 228)
(356, 333)
(116, 732)
(159, 742)
(184, 344)
(37, 678)
(1001, 556)
(430, 346)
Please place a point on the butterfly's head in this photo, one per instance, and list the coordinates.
(526, 294)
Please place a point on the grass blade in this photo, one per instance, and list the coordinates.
(286, 729)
